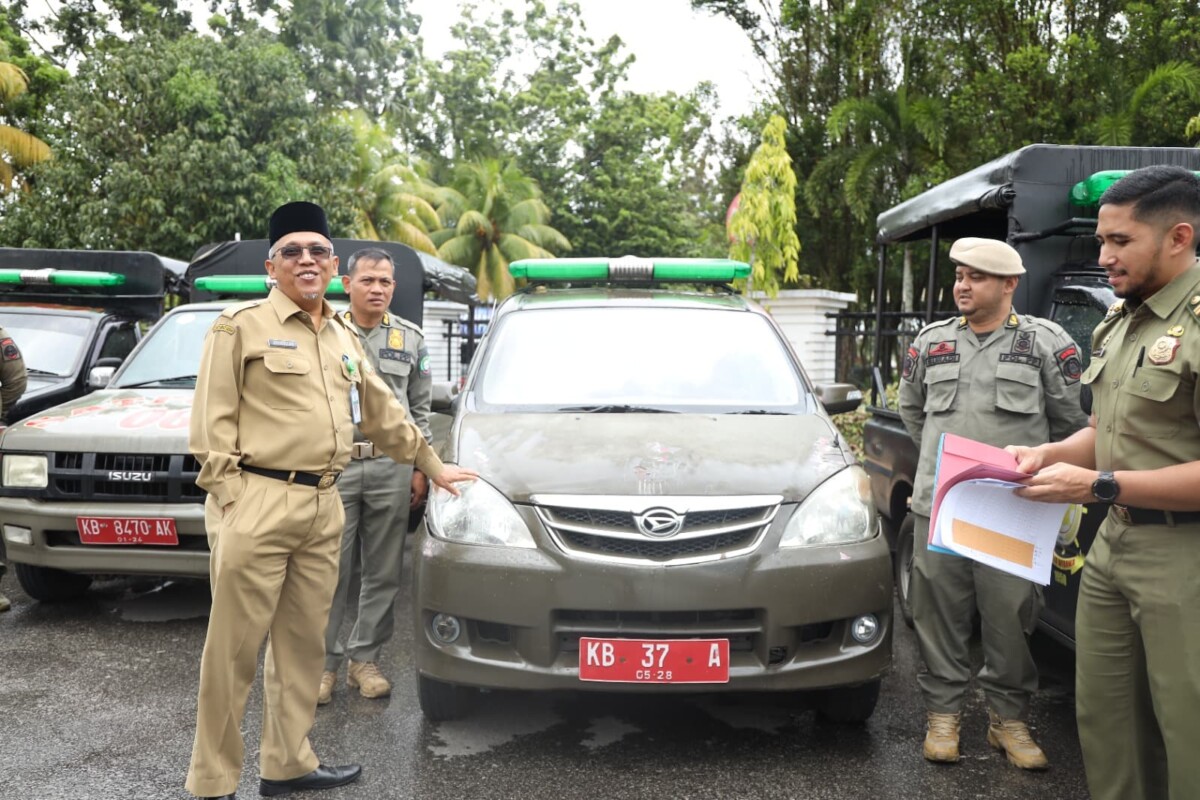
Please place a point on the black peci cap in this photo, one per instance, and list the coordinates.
(297, 216)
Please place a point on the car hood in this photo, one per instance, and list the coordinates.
(649, 454)
(116, 420)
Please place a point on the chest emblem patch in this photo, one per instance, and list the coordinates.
(396, 339)
(1163, 350)
(941, 348)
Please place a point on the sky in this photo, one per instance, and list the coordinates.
(676, 47)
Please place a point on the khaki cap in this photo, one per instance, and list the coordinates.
(987, 255)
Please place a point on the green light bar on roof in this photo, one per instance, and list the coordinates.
(629, 268)
(250, 284)
(60, 277)
(1088, 192)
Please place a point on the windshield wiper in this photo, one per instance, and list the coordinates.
(164, 381)
(761, 411)
(619, 409)
(43, 373)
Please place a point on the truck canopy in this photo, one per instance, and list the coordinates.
(147, 277)
(416, 272)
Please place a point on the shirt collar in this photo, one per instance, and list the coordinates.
(284, 307)
(1167, 299)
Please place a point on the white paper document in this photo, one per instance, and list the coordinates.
(985, 521)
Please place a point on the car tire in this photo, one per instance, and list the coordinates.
(51, 585)
(442, 701)
(851, 704)
(904, 567)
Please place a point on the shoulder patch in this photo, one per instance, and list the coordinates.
(223, 327)
(1068, 363)
(910, 363)
(9, 348)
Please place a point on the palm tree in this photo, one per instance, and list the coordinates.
(392, 201)
(1117, 128)
(492, 215)
(18, 149)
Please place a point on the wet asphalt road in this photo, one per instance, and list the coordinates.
(97, 700)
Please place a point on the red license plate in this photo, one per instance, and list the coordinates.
(127, 530)
(654, 660)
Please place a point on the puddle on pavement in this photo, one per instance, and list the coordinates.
(172, 600)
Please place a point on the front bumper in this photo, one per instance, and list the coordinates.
(786, 612)
(55, 538)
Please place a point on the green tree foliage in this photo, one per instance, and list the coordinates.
(763, 228)
(18, 149)
(1117, 127)
(165, 145)
(493, 214)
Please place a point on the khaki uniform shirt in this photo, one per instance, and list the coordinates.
(1019, 386)
(396, 349)
(1145, 359)
(276, 394)
(13, 375)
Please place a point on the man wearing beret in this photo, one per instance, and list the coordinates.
(997, 377)
(283, 382)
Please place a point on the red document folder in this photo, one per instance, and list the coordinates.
(961, 459)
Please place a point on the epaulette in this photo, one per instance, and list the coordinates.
(1115, 310)
(961, 321)
(408, 324)
(238, 308)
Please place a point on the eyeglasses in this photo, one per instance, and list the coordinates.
(291, 252)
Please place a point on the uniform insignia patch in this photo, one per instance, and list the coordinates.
(1023, 342)
(423, 361)
(223, 327)
(941, 348)
(962, 323)
(402, 356)
(1196, 299)
(1175, 330)
(1115, 309)
(9, 348)
(289, 344)
(910, 363)
(1013, 321)
(1069, 363)
(396, 339)
(1163, 350)
(1017, 358)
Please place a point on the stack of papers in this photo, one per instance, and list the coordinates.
(977, 515)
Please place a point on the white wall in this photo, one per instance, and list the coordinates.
(801, 315)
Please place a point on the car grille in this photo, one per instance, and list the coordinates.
(160, 478)
(741, 626)
(613, 534)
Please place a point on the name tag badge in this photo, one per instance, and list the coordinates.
(355, 406)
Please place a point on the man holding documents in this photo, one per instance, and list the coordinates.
(1137, 626)
(997, 377)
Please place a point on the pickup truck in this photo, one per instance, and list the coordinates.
(76, 315)
(1041, 199)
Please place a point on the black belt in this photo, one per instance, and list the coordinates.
(1149, 516)
(322, 481)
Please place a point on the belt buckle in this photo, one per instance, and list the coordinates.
(327, 480)
(1122, 513)
(363, 450)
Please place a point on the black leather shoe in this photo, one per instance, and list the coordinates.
(222, 797)
(322, 777)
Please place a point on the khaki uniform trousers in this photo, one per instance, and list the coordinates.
(946, 590)
(1137, 662)
(375, 494)
(273, 569)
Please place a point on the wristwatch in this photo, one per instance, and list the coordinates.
(1105, 488)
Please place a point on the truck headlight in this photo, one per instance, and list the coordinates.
(839, 511)
(480, 515)
(24, 471)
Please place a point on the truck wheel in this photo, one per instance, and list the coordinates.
(904, 567)
(51, 585)
(443, 701)
(850, 704)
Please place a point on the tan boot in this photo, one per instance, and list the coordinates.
(1013, 737)
(325, 693)
(4, 604)
(941, 736)
(369, 680)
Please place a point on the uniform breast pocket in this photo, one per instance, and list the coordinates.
(287, 384)
(399, 369)
(1018, 389)
(941, 387)
(1152, 404)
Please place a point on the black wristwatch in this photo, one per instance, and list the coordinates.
(1105, 488)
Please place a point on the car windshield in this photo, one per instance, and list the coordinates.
(636, 359)
(170, 354)
(51, 344)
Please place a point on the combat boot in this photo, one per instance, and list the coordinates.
(941, 736)
(1013, 737)
(325, 693)
(369, 680)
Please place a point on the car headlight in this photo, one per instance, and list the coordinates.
(839, 511)
(480, 515)
(24, 471)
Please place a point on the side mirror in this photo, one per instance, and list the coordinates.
(838, 398)
(444, 393)
(100, 374)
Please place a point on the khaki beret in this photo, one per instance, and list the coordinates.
(987, 255)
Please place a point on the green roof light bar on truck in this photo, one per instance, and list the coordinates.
(628, 268)
(60, 277)
(250, 284)
(1088, 192)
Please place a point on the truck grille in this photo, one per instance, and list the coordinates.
(124, 477)
(614, 534)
